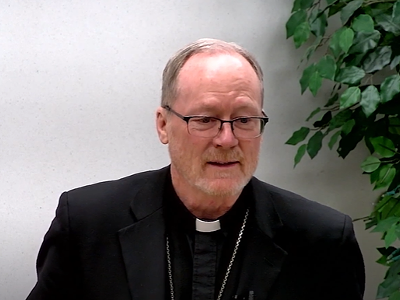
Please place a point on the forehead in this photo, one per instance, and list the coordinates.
(218, 75)
(217, 64)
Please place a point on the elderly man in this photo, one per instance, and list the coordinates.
(203, 227)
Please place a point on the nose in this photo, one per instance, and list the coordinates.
(225, 138)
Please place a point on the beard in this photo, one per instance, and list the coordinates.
(213, 181)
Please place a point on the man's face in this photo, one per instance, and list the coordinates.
(224, 86)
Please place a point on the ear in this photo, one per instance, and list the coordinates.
(161, 123)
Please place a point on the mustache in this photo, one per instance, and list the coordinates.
(223, 155)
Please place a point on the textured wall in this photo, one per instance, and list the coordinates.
(79, 84)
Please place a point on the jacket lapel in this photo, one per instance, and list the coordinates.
(143, 246)
(143, 243)
(262, 257)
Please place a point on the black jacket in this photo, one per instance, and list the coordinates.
(107, 242)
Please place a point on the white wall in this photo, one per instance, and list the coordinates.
(79, 83)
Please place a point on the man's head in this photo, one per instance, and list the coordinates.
(215, 79)
(208, 46)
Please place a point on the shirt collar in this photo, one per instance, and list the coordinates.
(181, 218)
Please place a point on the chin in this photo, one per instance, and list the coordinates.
(221, 187)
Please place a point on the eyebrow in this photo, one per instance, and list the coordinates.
(210, 108)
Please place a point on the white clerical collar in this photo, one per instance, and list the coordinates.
(207, 226)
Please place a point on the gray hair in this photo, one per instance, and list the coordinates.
(171, 71)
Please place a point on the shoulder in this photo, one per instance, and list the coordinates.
(108, 201)
(126, 186)
(301, 219)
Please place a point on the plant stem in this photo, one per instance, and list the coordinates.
(367, 3)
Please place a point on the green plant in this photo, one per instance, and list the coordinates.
(361, 60)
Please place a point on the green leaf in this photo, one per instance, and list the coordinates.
(390, 209)
(390, 236)
(332, 100)
(304, 4)
(324, 120)
(390, 87)
(299, 155)
(395, 62)
(363, 23)
(314, 112)
(350, 97)
(385, 176)
(354, 59)
(329, 2)
(377, 59)
(388, 39)
(395, 296)
(313, 15)
(348, 126)
(394, 270)
(310, 51)
(370, 164)
(396, 12)
(295, 20)
(370, 99)
(339, 119)
(380, 8)
(315, 144)
(383, 202)
(382, 260)
(334, 42)
(349, 10)
(388, 287)
(318, 26)
(296, 5)
(334, 139)
(394, 125)
(374, 176)
(350, 141)
(387, 23)
(327, 67)
(298, 136)
(315, 83)
(334, 9)
(386, 251)
(383, 146)
(365, 41)
(301, 34)
(305, 78)
(346, 39)
(350, 75)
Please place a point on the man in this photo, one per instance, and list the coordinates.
(203, 227)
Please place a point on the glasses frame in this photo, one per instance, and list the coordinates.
(264, 120)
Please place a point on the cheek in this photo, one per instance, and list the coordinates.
(251, 149)
(197, 149)
(190, 148)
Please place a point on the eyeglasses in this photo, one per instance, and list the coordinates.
(208, 127)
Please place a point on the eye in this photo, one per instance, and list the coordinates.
(205, 120)
(244, 120)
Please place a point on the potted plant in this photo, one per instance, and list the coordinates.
(360, 56)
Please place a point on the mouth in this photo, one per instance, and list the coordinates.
(223, 164)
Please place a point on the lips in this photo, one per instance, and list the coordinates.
(223, 163)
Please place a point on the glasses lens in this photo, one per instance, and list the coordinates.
(245, 128)
(248, 128)
(203, 126)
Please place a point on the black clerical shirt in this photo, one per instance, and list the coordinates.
(182, 232)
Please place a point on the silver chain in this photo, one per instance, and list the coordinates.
(171, 283)
(228, 270)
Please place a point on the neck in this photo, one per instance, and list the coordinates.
(209, 208)
(201, 204)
